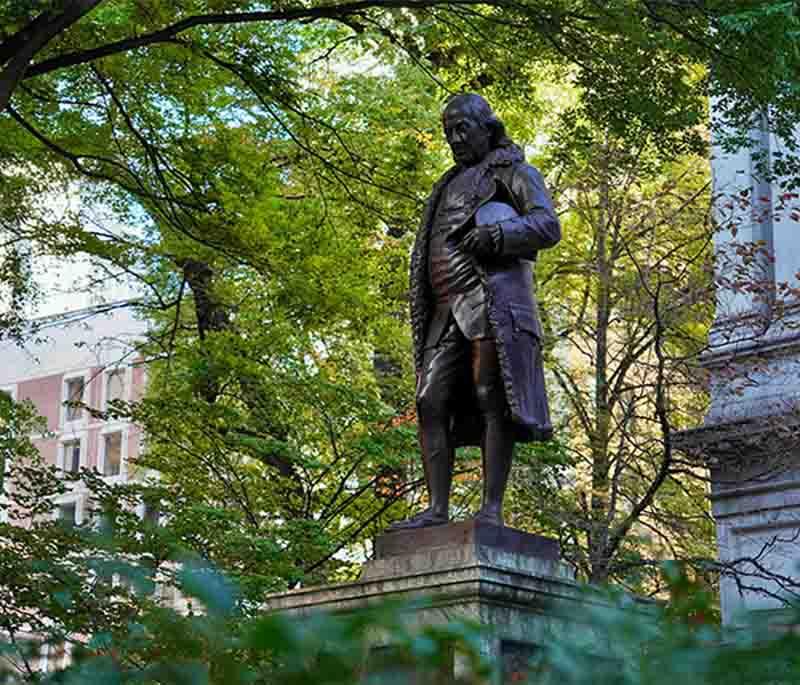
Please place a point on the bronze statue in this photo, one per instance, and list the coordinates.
(475, 322)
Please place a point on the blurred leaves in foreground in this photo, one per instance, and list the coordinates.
(679, 641)
(612, 640)
(219, 645)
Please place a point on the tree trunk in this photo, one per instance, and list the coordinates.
(599, 525)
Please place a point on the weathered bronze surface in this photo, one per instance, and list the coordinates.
(476, 328)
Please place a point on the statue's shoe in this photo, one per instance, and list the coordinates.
(422, 520)
(490, 516)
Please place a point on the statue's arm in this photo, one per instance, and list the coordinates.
(537, 227)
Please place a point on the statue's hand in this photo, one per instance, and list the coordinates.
(482, 241)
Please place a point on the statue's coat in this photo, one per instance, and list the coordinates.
(508, 283)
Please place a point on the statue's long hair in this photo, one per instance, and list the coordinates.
(478, 108)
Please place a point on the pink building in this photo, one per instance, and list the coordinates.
(90, 357)
(76, 363)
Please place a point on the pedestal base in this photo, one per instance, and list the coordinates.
(465, 544)
(509, 581)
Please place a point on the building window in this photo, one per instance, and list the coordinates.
(57, 657)
(151, 514)
(112, 454)
(74, 396)
(72, 456)
(167, 594)
(115, 386)
(68, 514)
(104, 523)
(5, 460)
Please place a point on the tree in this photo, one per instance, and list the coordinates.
(264, 415)
(92, 591)
(628, 300)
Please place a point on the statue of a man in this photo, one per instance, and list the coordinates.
(476, 327)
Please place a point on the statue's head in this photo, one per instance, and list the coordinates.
(471, 127)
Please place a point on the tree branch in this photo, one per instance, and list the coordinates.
(166, 34)
(17, 51)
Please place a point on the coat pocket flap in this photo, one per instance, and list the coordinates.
(525, 318)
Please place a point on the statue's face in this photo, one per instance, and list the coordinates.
(469, 140)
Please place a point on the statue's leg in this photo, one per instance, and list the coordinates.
(442, 375)
(497, 445)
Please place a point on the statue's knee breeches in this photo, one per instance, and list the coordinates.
(444, 370)
(487, 378)
(431, 403)
(490, 397)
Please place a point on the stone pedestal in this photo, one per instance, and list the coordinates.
(509, 581)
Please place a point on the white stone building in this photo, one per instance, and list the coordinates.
(750, 437)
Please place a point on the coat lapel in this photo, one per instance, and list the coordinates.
(482, 191)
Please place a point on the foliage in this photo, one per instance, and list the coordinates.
(619, 641)
(98, 591)
(56, 580)
(265, 413)
(627, 302)
(676, 641)
(219, 644)
(264, 196)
